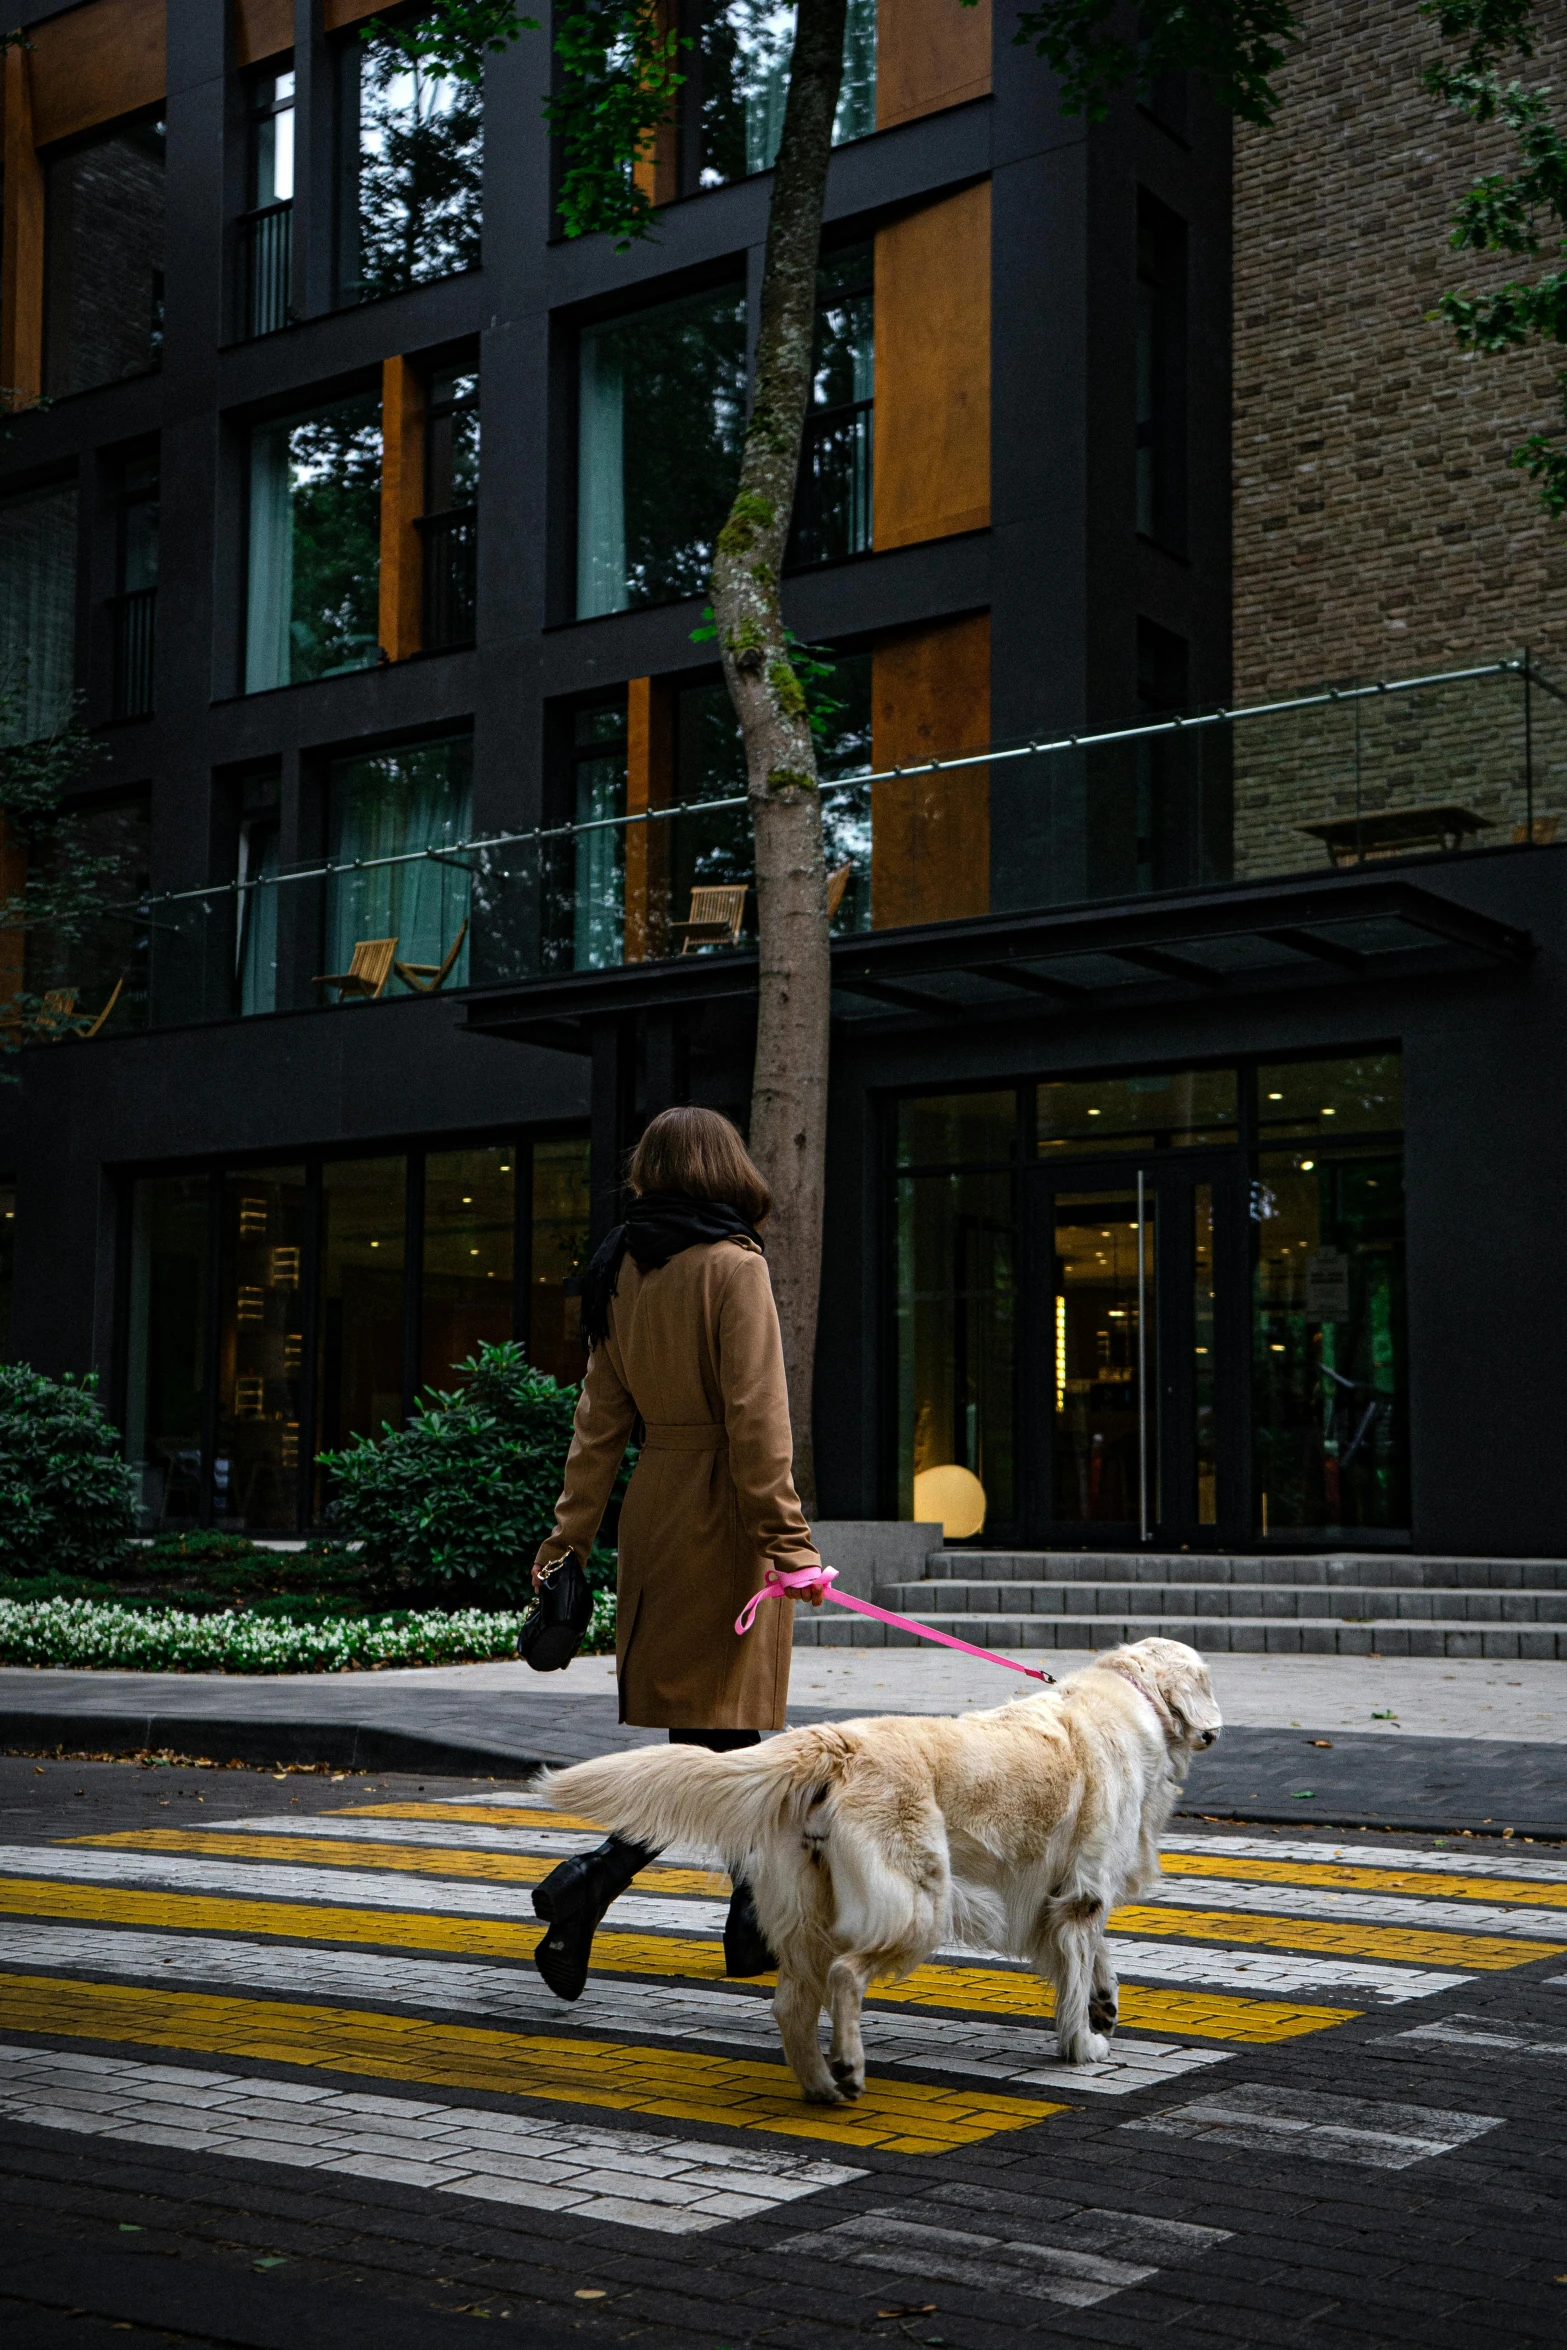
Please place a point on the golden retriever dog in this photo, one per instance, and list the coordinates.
(868, 1845)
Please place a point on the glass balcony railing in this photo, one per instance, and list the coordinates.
(1415, 774)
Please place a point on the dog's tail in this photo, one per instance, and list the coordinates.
(731, 1803)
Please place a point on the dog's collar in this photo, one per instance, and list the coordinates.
(1142, 1693)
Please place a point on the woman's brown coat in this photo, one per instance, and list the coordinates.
(693, 1347)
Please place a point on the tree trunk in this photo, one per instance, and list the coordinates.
(789, 1090)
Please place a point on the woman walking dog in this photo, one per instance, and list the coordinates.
(678, 1314)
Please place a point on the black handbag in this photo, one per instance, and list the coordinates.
(553, 1629)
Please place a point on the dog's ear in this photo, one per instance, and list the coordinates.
(1187, 1690)
(1135, 1666)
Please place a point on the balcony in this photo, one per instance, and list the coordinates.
(1286, 843)
(266, 250)
(133, 619)
(451, 574)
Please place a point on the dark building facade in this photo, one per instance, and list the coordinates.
(1195, 1094)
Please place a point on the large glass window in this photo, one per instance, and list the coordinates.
(37, 611)
(167, 1350)
(255, 1475)
(469, 1230)
(412, 150)
(314, 557)
(7, 1265)
(136, 583)
(1319, 1100)
(833, 504)
(256, 932)
(661, 419)
(1105, 1436)
(385, 809)
(740, 68)
(562, 1206)
(957, 1352)
(105, 955)
(599, 852)
(363, 1213)
(449, 526)
(1184, 1106)
(103, 259)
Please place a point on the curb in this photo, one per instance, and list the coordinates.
(363, 1746)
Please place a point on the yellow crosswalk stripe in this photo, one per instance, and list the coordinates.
(992, 1991)
(903, 2117)
(473, 1815)
(1341, 1873)
(1405, 1945)
(420, 1860)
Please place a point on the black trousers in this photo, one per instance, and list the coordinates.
(716, 1741)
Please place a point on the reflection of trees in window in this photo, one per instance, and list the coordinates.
(390, 806)
(89, 954)
(661, 418)
(256, 925)
(413, 160)
(449, 525)
(833, 507)
(314, 555)
(739, 66)
(103, 259)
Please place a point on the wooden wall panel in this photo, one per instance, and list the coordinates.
(657, 170)
(933, 371)
(929, 54)
(930, 836)
(335, 14)
(97, 63)
(402, 503)
(650, 783)
(21, 242)
(262, 29)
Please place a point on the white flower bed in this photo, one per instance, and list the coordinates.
(97, 1633)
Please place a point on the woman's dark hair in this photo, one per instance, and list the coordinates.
(700, 1153)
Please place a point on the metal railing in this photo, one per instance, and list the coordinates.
(266, 244)
(451, 577)
(134, 618)
(832, 513)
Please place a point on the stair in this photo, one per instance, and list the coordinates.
(1336, 1604)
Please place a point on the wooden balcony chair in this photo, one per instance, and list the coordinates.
(1544, 833)
(837, 883)
(717, 916)
(426, 978)
(58, 1017)
(369, 969)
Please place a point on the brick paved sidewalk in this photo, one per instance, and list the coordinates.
(275, 2069)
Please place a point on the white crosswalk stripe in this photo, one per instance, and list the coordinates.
(1357, 2130)
(1488, 2034)
(1504, 1861)
(1076, 2261)
(1363, 1909)
(675, 2186)
(1020, 2054)
(459, 1836)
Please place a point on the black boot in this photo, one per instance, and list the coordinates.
(745, 1945)
(572, 1900)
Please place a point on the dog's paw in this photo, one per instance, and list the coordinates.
(824, 2093)
(1102, 2013)
(850, 2078)
(1087, 2048)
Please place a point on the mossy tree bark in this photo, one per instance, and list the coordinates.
(789, 1088)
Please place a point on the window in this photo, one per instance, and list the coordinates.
(738, 72)
(313, 571)
(599, 854)
(1183, 1107)
(167, 1349)
(384, 810)
(256, 927)
(266, 228)
(956, 1336)
(1330, 1379)
(661, 419)
(7, 1265)
(1161, 373)
(449, 527)
(375, 1275)
(411, 172)
(37, 611)
(103, 259)
(833, 502)
(136, 585)
(111, 947)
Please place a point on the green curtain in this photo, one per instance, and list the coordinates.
(385, 806)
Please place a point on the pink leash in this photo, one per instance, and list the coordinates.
(781, 1580)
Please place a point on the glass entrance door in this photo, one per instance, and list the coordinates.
(1137, 1412)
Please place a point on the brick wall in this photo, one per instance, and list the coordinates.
(1378, 530)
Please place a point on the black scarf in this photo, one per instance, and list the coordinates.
(658, 1225)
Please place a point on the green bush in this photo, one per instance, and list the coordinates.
(465, 1494)
(66, 1497)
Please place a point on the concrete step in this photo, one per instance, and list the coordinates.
(1315, 1602)
(1212, 1635)
(1362, 1570)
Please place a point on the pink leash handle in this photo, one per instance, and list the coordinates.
(781, 1580)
